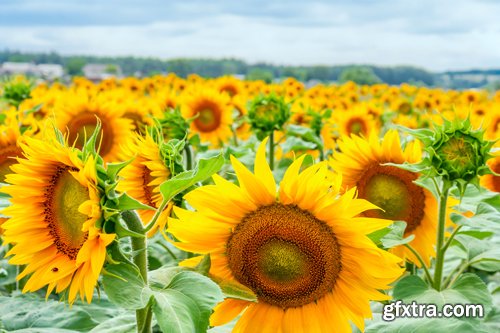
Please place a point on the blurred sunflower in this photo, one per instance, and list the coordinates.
(143, 176)
(77, 117)
(55, 205)
(492, 182)
(212, 116)
(302, 251)
(355, 121)
(360, 161)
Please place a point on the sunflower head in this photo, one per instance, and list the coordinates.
(301, 251)
(268, 113)
(456, 152)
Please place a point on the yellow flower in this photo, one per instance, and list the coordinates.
(492, 182)
(212, 114)
(302, 251)
(77, 117)
(393, 189)
(143, 176)
(55, 205)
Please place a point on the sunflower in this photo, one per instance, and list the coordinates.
(55, 206)
(212, 115)
(355, 121)
(143, 176)
(302, 251)
(9, 148)
(492, 182)
(230, 85)
(78, 115)
(390, 188)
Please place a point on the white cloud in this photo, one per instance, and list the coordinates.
(446, 35)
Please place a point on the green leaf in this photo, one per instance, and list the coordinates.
(297, 144)
(126, 202)
(186, 303)
(305, 133)
(424, 325)
(236, 290)
(125, 323)
(395, 235)
(468, 289)
(479, 253)
(486, 217)
(113, 169)
(184, 180)
(29, 312)
(125, 287)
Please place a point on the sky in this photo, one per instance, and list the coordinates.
(433, 34)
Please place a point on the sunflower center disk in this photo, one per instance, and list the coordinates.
(63, 197)
(285, 255)
(393, 190)
(208, 118)
(356, 126)
(81, 128)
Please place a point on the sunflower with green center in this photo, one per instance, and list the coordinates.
(392, 189)
(55, 206)
(141, 178)
(302, 251)
(211, 114)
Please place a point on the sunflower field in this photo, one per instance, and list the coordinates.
(169, 204)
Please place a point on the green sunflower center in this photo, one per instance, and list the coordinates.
(285, 255)
(282, 261)
(64, 196)
(393, 190)
(356, 126)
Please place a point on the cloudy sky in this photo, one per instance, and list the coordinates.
(434, 34)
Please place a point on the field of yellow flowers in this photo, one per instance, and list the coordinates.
(166, 204)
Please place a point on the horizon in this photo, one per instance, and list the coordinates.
(439, 37)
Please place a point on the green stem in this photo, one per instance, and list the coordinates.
(438, 272)
(271, 150)
(189, 157)
(449, 281)
(158, 212)
(419, 257)
(140, 259)
(452, 236)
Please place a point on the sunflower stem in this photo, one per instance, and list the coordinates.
(438, 272)
(189, 157)
(140, 259)
(271, 150)
(419, 257)
(157, 214)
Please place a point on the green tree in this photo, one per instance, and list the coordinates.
(359, 75)
(260, 74)
(74, 66)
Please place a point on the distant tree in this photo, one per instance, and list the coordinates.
(111, 69)
(75, 65)
(359, 74)
(260, 74)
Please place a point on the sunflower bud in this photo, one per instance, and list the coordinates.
(457, 152)
(268, 113)
(174, 126)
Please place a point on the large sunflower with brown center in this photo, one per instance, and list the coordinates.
(78, 115)
(211, 114)
(141, 179)
(302, 251)
(55, 205)
(393, 189)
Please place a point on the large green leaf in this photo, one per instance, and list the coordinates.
(482, 254)
(467, 289)
(395, 236)
(29, 312)
(185, 304)
(424, 325)
(184, 180)
(125, 287)
(125, 323)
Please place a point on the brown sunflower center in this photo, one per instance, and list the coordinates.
(495, 167)
(83, 125)
(209, 118)
(7, 155)
(393, 190)
(135, 118)
(231, 90)
(148, 189)
(356, 126)
(285, 255)
(63, 197)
